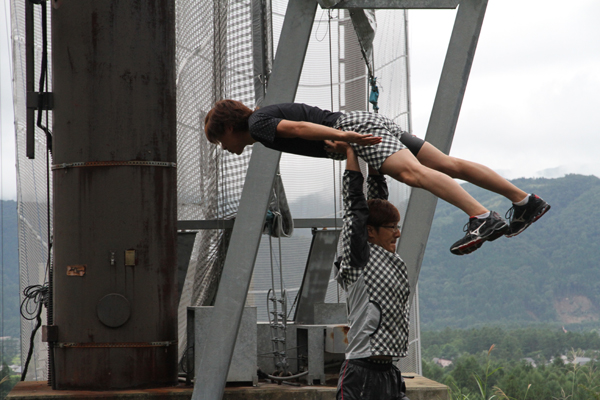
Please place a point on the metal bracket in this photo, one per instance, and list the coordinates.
(49, 333)
(389, 4)
(115, 345)
(115, 164)
(40, 101)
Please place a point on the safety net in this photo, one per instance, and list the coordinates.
(215, 60)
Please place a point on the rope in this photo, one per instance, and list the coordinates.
(278, 341)
(330, 58)
(335, 195)
(331, 90)
(34, 297)
(374, 95)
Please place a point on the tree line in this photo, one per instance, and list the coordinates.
(542, 363)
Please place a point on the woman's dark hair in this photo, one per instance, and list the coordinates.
(382, 212)
(226, 113)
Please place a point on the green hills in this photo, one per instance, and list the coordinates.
(549, 274)
(9, 261)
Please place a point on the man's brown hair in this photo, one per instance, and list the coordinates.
(382, 212)
(226, 113)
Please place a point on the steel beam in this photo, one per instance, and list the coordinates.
(440, 131)
(390, 4)
(214, 357)
(228, 224)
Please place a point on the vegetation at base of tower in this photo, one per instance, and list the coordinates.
(530, 363)
(7, 380)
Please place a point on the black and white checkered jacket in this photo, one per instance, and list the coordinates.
(375, 280)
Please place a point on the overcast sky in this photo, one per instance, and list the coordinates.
(532, 103)
(7, 150)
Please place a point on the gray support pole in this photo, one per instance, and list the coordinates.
(29, 78)
(213, 359)
(356, 94)
(115, 205)
(389, 4)
(262, 44)
(440, 131)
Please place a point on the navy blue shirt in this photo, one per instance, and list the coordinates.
(263, 127)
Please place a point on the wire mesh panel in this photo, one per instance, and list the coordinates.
(32, 181)
(214, 62)
(214, 55)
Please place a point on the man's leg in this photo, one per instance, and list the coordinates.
(525, 211)
(482, 226)
(404, 167)
(469, 171)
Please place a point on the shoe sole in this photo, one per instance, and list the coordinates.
(543, 209)
(467, 247)
(496, 232)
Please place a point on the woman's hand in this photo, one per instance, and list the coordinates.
(336, 146)
(343, 148)
(360, 139)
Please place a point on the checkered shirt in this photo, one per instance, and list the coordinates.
(377, 125)
(384, 272)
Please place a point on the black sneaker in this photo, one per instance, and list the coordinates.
(521, 217)
(478, 231)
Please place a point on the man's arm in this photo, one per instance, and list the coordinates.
(311, 131)
(376, 184)
(355, 247)
(351, 158)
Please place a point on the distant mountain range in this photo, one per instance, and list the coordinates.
(9, 259)
(550, 273)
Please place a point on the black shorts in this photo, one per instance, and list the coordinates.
(365, 380)
(412, 142)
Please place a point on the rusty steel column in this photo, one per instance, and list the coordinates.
(114, 188)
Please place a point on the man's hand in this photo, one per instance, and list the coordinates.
(361, 139)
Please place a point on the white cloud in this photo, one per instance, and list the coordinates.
(8, 189)
(533, 94)
(531, 103)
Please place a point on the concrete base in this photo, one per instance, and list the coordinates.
(35, 390)
(418, 388)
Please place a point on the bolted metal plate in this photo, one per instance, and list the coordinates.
(76, 270)
(130, 258)
(114, 310)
